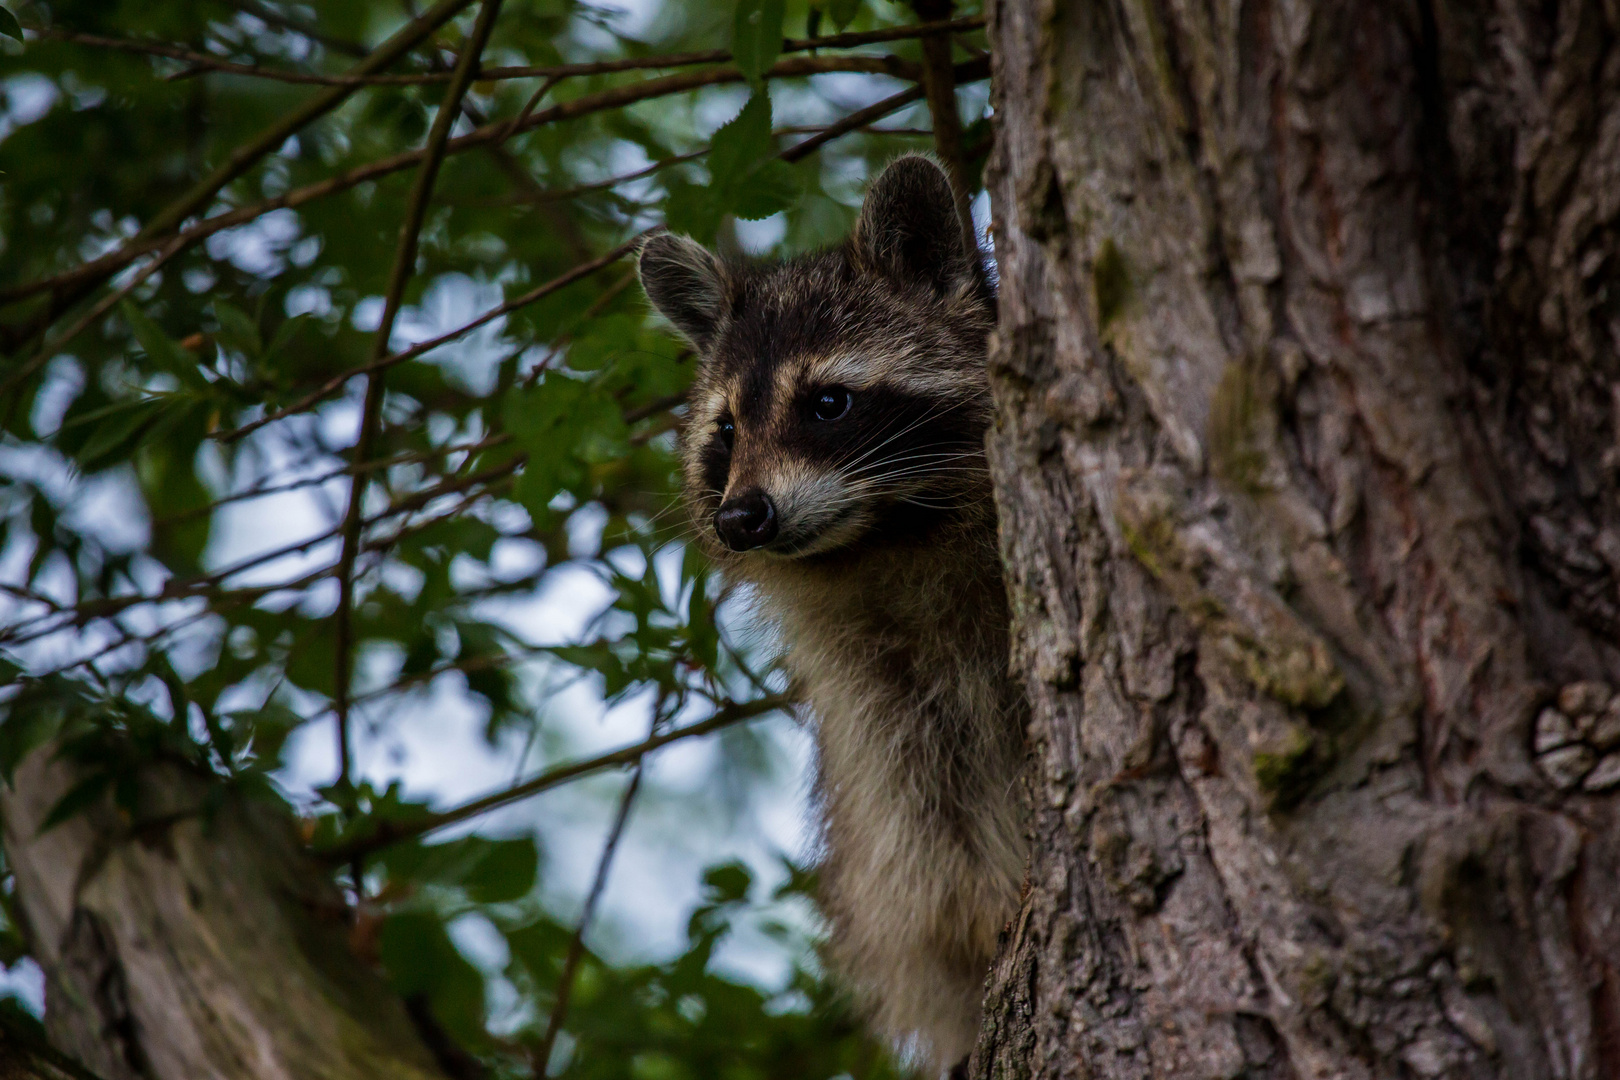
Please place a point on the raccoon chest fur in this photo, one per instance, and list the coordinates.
(920, 743)
(833, 460)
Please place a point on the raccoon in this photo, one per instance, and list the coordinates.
(833, 457)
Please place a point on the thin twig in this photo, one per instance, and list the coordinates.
(268, 15)
(939, 80)
(560, 344)
(209, 584)
(858, 119)
(796, 152)
(128, 637)
(243, 157)
(203, 63)
(817, 129)
(402, 271)
(22, 592)
(336, 382)
(490, 481)
(71, 287)
(564, 194)
(107, 606)
(529, 107)
(551, 195)
(541, 1057)
(265, 490)
(106, 304)
(616, 97)
(391, 832)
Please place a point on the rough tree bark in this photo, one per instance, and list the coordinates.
(1308, 466)
(197, 941)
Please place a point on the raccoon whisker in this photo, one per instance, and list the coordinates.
(918, 470)
(920, 454)
(929, 415)
(932, 456)
(666, 512)
(957, 504)
(944, 501)
(939, 459)
(884, 486)
(895, 436)
(880, 432)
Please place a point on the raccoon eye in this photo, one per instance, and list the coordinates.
(728, 432)
(831, 403)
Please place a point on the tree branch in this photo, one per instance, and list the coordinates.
(399, 275)
(264, 490)
(107, 303)
(202, 62)
(391, 832)
(268, 15)
(71, 287)
(939, 79)
(858, 119)
(793, 153)
(336, 382)
(615, 97)
(541, 1057)
(269, 140)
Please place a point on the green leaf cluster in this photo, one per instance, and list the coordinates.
(745, 178)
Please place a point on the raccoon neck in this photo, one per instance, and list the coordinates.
(920, 599)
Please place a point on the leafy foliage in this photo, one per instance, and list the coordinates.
(181, 401)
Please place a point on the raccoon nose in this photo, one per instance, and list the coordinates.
(748, 521)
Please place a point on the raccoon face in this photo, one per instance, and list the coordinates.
(841, 396)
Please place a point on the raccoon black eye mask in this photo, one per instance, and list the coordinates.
(860, 514)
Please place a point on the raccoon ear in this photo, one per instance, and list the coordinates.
(685, 283)
(908, 228)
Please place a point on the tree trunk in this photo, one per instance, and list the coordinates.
(194, 942)
(1307, 464)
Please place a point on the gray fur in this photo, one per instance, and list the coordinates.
(885, 583)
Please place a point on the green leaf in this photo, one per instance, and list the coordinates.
(9, 25)
(506, 873)
(742, 142)
(28, 725)
(746, 177)
(842, 12)
(421, 959)
(606, 341)
(177, 499)
(728, 883)
(756, 37)
(284, 335)
(539, 946)
(602, 432)
(267, 728)
(773, 187)
(692, 209)
(161, 349)
(564, 424)
(117, 429)
(237, 329)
